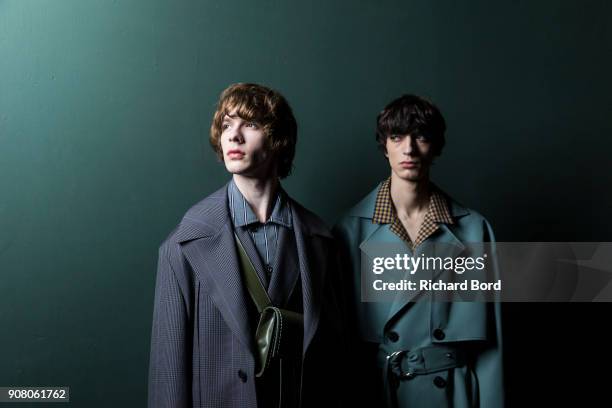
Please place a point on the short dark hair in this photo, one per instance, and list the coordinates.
(266, 107)
(411, 114)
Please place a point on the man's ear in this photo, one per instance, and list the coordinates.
(384, 149)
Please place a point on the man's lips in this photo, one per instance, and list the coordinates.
(409, 164)
(235, 154)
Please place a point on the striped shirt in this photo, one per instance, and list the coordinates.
(264, 235)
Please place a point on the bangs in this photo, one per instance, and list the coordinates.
(402, 122)
(411, 115)
(246, 106)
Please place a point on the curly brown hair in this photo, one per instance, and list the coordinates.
(266, 107)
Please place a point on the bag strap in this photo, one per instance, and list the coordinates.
(256, 289)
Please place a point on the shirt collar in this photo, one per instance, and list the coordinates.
(242, 214)
(384, 210)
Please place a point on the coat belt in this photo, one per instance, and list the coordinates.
(401, 365)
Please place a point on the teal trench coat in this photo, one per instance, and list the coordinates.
(427, 330)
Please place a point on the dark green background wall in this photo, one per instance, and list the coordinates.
(104, 113)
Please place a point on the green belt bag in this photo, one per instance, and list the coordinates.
(279, 332)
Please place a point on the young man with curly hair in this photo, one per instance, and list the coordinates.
(204, 351)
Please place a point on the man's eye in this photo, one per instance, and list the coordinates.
(225, 126)
(252, 125)
(395, 138)
(422, 138)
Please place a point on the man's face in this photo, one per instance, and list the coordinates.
(245, 147)
(409, 156)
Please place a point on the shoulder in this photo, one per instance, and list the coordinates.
(209, 209)
(356, 222)
(469, 222)
(204, 218)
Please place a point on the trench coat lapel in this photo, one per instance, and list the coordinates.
(207, 241)
(443, 243)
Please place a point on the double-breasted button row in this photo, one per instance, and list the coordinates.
(438, 334)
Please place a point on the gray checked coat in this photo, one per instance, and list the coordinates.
(202, 341)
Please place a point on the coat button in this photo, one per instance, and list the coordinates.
(439, 382)
(393, 336)
(269, 269)
(439, 334)
(242, 375)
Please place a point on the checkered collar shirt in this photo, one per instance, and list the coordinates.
(437, 212)
(264, 235)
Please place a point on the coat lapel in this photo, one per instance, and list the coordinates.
(207, 241)
(286, 272)
(443, 243)
(312, 265)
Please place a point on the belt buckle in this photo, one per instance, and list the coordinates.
(395, 364)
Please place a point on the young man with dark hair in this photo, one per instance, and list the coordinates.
(418, 353)
(205, 349)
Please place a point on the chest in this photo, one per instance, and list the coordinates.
(412, 225)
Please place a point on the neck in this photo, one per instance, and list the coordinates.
(409, 197)
(259, 193)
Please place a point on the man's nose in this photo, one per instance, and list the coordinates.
(236, 134)
(408, 145)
